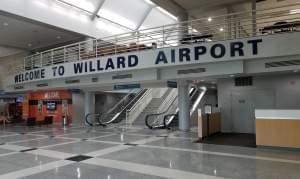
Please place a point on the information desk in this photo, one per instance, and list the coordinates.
(278, 128)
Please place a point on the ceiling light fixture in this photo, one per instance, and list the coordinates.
(221, 29)
(296, 71)
(5, 24)
(294, 11)
(231, 76)
(29, 45)
(58, 37)
(209, 19)
(167, 13)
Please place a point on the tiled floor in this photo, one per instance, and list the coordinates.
(120, 152)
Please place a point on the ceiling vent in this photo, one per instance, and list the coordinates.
(243, 81)
(119, 77)
(42, 85)
(19, 87)
(282, 64)
(192, 70)
(72, 81)
(95, 79)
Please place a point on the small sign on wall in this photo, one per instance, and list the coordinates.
(208, 109)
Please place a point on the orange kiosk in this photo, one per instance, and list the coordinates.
(42, 104)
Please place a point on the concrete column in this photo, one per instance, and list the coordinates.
(184, 106)
(89, 102)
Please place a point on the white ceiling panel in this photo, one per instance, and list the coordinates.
(126, 13)
(157, 18)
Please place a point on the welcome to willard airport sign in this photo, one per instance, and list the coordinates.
(241, 49)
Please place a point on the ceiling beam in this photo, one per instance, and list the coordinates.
(94, 15)
(146, 14)
(219, 5)
(174, 8)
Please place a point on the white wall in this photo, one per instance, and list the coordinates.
(276, 91)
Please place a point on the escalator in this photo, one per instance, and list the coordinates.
(169, 118)
(118, 112)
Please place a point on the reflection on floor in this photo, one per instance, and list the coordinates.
(132, 152)
(233, 139)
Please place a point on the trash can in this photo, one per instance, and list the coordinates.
(65, 121)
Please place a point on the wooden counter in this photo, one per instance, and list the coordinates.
(214, 124)
(278, 128)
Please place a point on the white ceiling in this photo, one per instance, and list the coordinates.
(19, 33)
(203, 8)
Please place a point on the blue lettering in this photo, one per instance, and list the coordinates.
(133, 60)
(61, 70)
(184, 53)
(173, 56)
(99, 68)
(121, 61)
(199, 50)
(78, 67)
(161, 57)
(109, 64)
(92, 69)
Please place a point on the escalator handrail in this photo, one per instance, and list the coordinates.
(116, 105)
(97, 116)
(158, 114)
(191, 111)
(121, 111)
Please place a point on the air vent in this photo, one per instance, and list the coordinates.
(118, 77)
(19, 87)
(189, 71)
(42, 85)
(282, 63)
(94, 80)
(72, 81)
(243, 81)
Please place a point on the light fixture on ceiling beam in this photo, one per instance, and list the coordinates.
(294, 11)
(167, 13)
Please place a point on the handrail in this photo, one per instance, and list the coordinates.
(122, 110)
(195, 105)
(163, 112)
(249, 22)
(137, 102)
(118, 103)
(97, 117)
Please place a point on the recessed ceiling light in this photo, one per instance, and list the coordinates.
(29, 45)
(296, 71)
(221, 29)
(209, 19)
(58, 37)
(231, 76)
(5, 24)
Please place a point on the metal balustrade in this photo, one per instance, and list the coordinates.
(230, 26)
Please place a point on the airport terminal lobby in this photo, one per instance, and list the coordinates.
(149, 89)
